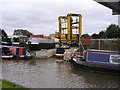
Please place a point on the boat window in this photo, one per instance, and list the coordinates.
(35, 40)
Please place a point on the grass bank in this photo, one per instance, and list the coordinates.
(5, 85)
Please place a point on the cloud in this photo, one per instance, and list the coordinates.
(41, 16)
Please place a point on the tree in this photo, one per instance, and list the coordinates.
(95, 36)
(101, 34)
(85, 35)
(113, 31)
(4, 35)
(22, 32)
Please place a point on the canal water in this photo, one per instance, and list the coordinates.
(49, 73)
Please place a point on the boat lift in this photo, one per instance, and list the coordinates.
(70, 28)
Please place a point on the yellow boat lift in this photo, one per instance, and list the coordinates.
(70, 28)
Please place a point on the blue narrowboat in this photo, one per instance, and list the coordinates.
(99, 60)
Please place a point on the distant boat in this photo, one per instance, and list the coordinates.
(60, 52)
(59, 60)
(6, 43)
(38, 42)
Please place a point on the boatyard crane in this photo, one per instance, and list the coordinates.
(70, 28)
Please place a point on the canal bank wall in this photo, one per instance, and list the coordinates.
(45, 53)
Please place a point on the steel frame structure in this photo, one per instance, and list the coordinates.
(67, 25)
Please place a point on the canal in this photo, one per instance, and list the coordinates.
(48, 73)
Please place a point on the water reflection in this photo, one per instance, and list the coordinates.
(32, 62)
(49, 73)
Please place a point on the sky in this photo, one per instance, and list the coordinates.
(41, 16)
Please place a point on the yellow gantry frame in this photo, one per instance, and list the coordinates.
(60, 25)
(69, 21)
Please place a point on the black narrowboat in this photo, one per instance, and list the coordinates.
(98, 60)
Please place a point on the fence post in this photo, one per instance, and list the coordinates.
(99, 43)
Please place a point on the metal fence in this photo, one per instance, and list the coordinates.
(104, 44)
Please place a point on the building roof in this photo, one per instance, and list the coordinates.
(114, 5)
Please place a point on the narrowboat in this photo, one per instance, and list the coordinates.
(38, 42)
(6, 54)
(59, 59)
(15, 43)
(16, 52)
(98, 60)
(6, 43)
(60, 52)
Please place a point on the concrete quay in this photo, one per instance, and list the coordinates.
(45, 53)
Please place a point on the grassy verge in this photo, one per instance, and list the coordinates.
(5, 85)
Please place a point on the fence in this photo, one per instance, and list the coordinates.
(104, 44)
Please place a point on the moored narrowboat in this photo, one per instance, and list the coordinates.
(60, 52)
(6, 54)
(99, 60)
(16, 52)
(38, 42)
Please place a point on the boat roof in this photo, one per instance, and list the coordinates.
(10, 46)
(94, 50)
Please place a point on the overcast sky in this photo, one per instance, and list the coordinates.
(41, 16)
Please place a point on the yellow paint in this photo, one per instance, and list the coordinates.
(67, 25)
(7, 56)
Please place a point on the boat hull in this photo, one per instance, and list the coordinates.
(7, 56)
(59, 55)
(99, 60)
(96, 67)
(41, 46)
